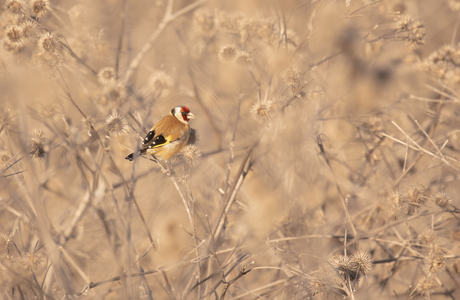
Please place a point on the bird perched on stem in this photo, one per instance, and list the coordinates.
(168, 136)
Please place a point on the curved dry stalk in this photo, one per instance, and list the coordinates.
(167, 18)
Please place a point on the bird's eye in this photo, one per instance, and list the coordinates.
(184, 113)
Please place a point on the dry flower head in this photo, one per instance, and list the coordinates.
(414, 31)
(191, 155)
(39, 7)
(106, 76)
(37, 143)
(261, 110)
(115, 125)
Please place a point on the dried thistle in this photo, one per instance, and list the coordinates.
(361, 263)
(14, 7)
(39, 7)
(13, 37)
(106, 76)
(228, 53)
(442, 200)
(444, 64)
(49, 43)
(261, 111)
(415, 31)
(27, 28)
(416, 196)
(46, 61)
(394, 207)
(243, 59)
(115, 125)
(37, 144)
(194, 137)
(191, 155)
(48, 111)
(341, 264)
(426, 285)
(32, 261)
(161, 80)
(317, 285)
(292, 78)
(427, 237)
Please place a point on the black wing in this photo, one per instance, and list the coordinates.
(148, 138)
(152, 141)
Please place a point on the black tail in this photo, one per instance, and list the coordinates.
(130, 157)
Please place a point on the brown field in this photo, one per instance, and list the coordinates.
(325, 165)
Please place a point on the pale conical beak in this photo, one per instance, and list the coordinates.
(190, 116)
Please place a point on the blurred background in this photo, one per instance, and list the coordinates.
(324, 166)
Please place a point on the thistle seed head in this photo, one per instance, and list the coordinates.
(115, 125)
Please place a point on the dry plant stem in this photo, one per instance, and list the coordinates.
(229, 283)
(454, 33)
(339, 190)
(232, 144)
(120, 39)
(128, 190)
(167, 18)
(70, 51)
(228, 201)
(255, 291)
(117, 170)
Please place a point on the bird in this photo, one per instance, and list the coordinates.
(168, 136)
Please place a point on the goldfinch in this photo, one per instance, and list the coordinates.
(168, 136)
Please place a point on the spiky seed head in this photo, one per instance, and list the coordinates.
(191, 155)
(442, 200)
(317, 286)
(161, 80)
(27, 28)
(227, 53)
(426, 285)
(14, 7)
(341, 264)
(37, 143)
(115, 125)
(39, 7)
(427, 237)
(32, 261)
(292, 77)
(415, 30)
(416, 196)
(106, 76)
(394, 207)
(261, 111)
(48, 110)
(243, 59)
(46, 61)
(361, 263)
(13, 37)
(194, 137)
(49, 43)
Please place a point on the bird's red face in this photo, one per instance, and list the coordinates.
(183, 113)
